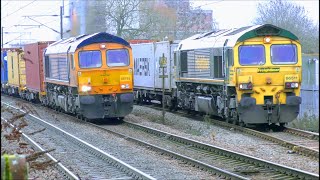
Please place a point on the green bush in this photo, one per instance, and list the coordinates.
(307, 123)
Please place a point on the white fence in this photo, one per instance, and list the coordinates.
(310, 86)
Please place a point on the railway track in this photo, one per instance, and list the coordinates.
(308, 145)
(82, 154)
(62, 169)
(246, 166)
(217, 160)
(307, 134)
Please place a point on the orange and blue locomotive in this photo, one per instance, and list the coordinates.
(90, 76)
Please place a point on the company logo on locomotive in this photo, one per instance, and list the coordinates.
(269, 70)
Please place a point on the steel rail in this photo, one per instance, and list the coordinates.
(292, 171)
(61, 168)
(228, 153)
(303, 150)
(124, 167)
(307, 134)
(300, 149)
(215, 170)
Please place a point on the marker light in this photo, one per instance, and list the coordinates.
(291, 85)
(102, 46)
(267, 39)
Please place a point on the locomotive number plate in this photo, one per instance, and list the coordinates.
(291, 78)
(125, 78)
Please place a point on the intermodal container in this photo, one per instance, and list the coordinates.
(4, 67)
(33, 57)
(16, 74)
(22, 71)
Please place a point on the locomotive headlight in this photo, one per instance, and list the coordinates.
(125, 86)
(291, 85)
(245, 86)
(85, 88)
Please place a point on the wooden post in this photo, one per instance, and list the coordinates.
(14, 167)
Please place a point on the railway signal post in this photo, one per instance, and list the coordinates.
(163, 65)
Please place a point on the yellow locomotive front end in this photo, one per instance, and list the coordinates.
(105, 77)
(267, 78)
(90, 76)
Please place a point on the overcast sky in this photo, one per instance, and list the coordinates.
(228, 14)
(237, 13)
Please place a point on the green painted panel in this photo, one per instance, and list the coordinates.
(265, 30)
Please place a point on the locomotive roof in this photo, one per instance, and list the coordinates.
(217, 39)
(74, 43)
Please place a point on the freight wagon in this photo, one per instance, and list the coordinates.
(16, 71)
(147, 71)
(4, 70)
(33, 58)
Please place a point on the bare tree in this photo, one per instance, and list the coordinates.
(95, 16)
(150, 19)
(122, 17)
(177, 19)
(292, 17)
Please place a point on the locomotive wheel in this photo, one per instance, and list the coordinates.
(139, 101)
(235, 122)
(228, 119)
(242, 124)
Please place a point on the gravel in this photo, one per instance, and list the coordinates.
(12, 147)
(186, 127)
(148, 161)
(222, 137)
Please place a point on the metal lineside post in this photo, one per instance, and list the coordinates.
(2, 63)
(163, 112)
(61, 22)
(2, 37)
(163, 62)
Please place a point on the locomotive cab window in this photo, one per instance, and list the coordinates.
(251, 55)
(117, 57)
(90, 59)
(284, 54)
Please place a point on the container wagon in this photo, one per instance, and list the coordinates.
(147, 71)
(16, 71)
(4, 70)
(33, 58)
